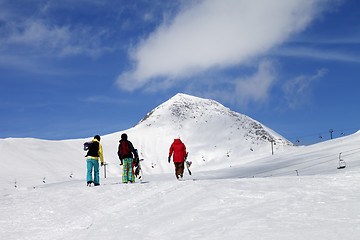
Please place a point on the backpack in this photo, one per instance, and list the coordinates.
(92, 147)
(124, 148)
(87, 145)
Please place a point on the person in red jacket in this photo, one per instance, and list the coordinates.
(179, 150)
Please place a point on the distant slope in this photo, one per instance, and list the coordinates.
(318, 159)
(29, 161)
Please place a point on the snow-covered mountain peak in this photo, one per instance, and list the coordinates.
(181, 107)
(209, 118)
(184, 106)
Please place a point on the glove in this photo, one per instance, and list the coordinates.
(121, 162)
(169, 159)
(102, 164)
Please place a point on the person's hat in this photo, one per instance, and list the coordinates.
(123, 136)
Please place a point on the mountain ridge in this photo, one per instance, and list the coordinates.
(185, 107)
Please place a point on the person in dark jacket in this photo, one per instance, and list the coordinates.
(179, 150)
(126, 153)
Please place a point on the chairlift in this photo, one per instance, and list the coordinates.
(342, 163)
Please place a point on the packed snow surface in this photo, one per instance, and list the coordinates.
(238, 189)
(316, 207)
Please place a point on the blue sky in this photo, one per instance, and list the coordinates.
(73, 69)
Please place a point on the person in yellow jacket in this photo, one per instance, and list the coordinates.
(94, 153)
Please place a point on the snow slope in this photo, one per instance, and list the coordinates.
(312, 208)
(297, 193)
(320, 158)
(214, 135)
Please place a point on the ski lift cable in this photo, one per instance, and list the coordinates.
(357, 150)
(298, 169)
(311, 160)
(281, 174)
(316, 164)
(321, 134)
(291, 165)
(284, 173)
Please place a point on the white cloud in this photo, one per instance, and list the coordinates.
(38, 33)
(216, 34)
(257, 87)
(297, 91)
(329, 55)
(72, 28)
(33, 35)
(105, 99)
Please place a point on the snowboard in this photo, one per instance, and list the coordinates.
(188, 163)
(138, 173)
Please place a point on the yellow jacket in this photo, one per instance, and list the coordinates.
(100, 153)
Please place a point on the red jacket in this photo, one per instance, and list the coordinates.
(179, 150)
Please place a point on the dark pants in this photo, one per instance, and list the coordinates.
(179, 169)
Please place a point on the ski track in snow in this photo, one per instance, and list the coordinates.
(316, 207)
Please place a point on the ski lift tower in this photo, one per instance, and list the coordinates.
(331, 131)
(272, 146)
